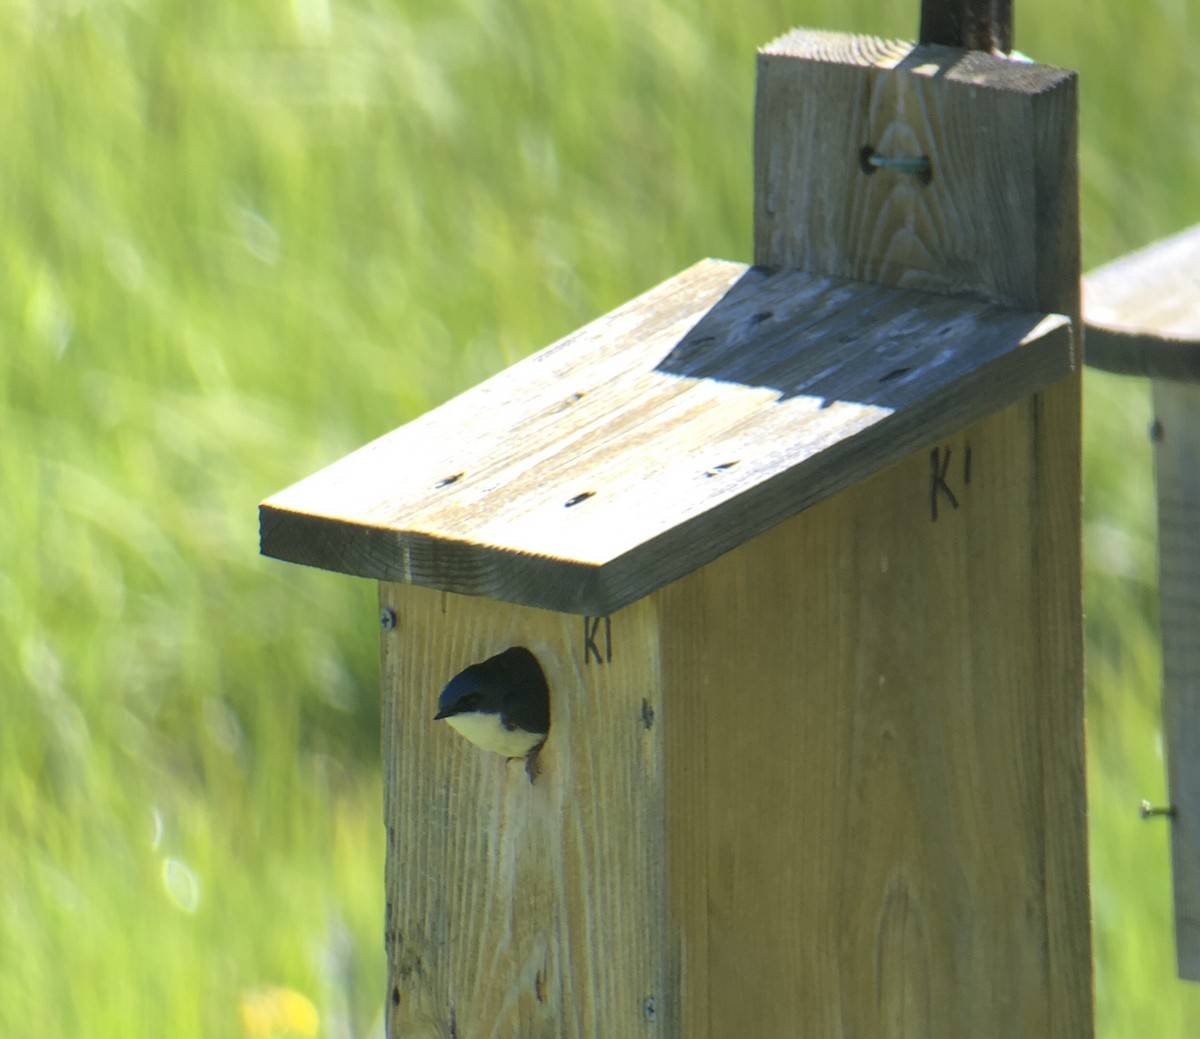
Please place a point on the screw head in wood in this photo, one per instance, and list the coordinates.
(387, 618)
(1148, 810)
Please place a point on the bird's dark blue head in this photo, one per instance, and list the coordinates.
(465, 692)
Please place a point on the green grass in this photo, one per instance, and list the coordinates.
(240, 239)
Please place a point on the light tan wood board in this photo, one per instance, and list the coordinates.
(998, 218)
(874, 749)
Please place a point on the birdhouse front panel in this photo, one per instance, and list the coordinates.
(525, 899)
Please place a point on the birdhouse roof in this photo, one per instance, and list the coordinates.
(662, 435)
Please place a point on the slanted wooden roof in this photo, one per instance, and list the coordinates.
(1143, 311)
(662, 435)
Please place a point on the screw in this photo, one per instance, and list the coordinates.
(387, 618)
(919, 167)
(649, 1010)
(1148, 810)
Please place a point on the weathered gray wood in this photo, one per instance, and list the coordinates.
(1143, 318)
(989, 220)
(679, 426)
(1177, 465)
(1143, 311)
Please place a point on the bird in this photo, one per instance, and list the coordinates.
(501, 704)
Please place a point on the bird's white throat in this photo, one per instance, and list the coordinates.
(488, 732)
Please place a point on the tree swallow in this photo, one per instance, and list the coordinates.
(501, 705)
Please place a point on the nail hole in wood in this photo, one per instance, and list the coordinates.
(895, 373)
(716, 470)
(647, 715)
(447, 481)
(577, 499)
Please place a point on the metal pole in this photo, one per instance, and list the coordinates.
(973, 24)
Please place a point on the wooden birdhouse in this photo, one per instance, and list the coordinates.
(797, 548)
(1144, 319)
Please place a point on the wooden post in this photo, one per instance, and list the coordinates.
(1143, 314)
(797, 548)
(997, 217)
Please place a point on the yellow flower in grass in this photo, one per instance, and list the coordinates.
(276, 1012)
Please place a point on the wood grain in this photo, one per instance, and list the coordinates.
(662, 435)
(1143, 318)
(979, 641)
(1000, 137)
(873, 739)
(514, 908)
(1177, 471)
(1143, 311)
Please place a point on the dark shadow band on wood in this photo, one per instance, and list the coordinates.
(1139, 353)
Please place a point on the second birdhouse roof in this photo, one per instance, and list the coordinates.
(662, 435)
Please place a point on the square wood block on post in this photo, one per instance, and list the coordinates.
(797, 546)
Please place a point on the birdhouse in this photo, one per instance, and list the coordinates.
(1144, 319)
(796, 549)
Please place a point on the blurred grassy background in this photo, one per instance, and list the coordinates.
(240, 239)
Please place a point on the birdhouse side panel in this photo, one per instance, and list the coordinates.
(874, 753)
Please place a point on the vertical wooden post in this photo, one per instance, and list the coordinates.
(996, 216)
